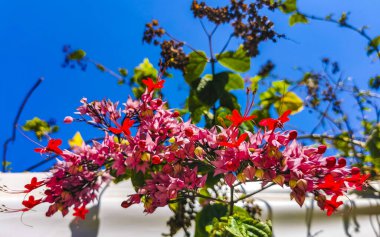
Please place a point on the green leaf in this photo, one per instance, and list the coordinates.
(341, 142)
(229, 101)
(196, 66)
(373, 45)
(196, 107)
(235, 81)
(289, 6)
(237, 60)
(289, 101)
(77, 55)
(100, 67)
(280, 86)
(297, 18)
(373, 143)
(123, 72)
(39, 127)
(206, 216)
(209, 89)
(144, 70)
(255, 82)
(138, 179)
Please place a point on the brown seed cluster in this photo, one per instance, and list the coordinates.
(172, 55)
(152, 32)
(245, 19)
(266, 69)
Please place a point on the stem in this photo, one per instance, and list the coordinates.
(15, 121)
(253, 193)
(210, 198)
(231, 201)
(329, 137)
(345, 25)
(190, 47)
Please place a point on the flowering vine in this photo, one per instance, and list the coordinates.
(169, 159)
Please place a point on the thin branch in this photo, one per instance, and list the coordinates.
(204, 28)
(253, 193)
(189, 46)
(226, 44)
(16, 119)
(210, 198)
(345, 25)
(327, 109)
(329, 137)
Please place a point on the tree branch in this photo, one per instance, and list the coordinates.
(16, 119)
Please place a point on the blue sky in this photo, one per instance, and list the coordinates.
(33, 33)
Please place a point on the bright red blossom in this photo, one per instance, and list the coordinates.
(237, 119)
(33, 184)
(151, 85)
(80, 212)
(52, 146)
(330, 185)
(125, 128)
(31, 202)
(332, 205)
(271, 123)
(235, 143)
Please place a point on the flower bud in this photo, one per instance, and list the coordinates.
(322, 149)
(279, 179)
(341, 162)
(175, 114)
(259, 173)
(68, 119)
(330, 162)
(156, 160)
(145, 157)
(302, 184)
(172, 139)
(241, 177)
(355, 170)
(292, 135)
(198, 151)
(292, 183)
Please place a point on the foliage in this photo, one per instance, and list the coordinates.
(40, 127)
(176, 163)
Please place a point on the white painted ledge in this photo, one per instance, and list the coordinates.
(288, 218)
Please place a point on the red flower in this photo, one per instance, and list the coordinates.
(151, 85)
(80, 212)
(357, 180)
(332, 205)
(127, 124)
(273, 123)
(236, 143)
(237, 119)
(331, 185)
(52, 146)
(33, 184)
(31, 202)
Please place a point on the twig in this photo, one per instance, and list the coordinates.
(345, 25)
(15, 121)
(253, 193)
(329, 137)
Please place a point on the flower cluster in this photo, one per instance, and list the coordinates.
(168, 158)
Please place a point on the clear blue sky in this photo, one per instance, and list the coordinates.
(33, 33)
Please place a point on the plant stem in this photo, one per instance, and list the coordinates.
(348, 26)
(253, 193)
(15, 121)
(231, 201)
